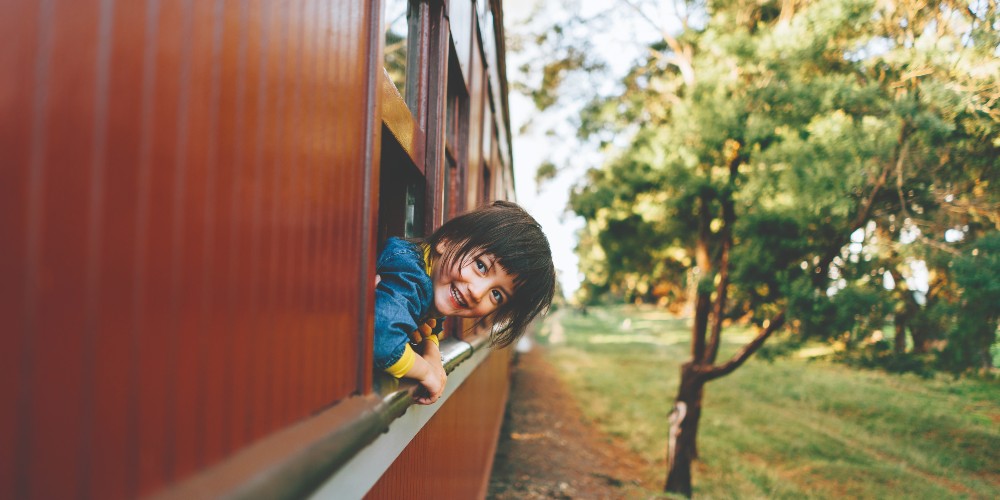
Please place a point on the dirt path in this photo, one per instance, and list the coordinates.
(547, 451)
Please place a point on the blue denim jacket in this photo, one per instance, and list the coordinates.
(403, 299)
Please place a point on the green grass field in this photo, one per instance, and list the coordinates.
(792, 428)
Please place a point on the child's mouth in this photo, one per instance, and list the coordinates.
(458, 298)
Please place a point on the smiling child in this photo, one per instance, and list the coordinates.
(493, 264)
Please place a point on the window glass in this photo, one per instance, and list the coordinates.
(397, 35)
(414, 210)
(482, 9)
(449, 186)
(460, 20)
(487, 127)
(451, 121)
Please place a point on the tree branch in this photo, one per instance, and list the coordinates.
(740, 357)
(704, 263)
(682, 53)
(819, 272)
(728, 220)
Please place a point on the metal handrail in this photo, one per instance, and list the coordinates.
(317, 448)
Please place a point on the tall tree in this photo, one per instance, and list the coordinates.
(752, 144)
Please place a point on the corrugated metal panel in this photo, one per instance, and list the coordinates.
(181, 210)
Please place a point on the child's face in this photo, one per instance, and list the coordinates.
(472, 290)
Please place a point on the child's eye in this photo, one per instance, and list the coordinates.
(482, 267)
(497, 296)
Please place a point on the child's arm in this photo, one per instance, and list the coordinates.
(426, 368)
(429, 372)
(403, 293)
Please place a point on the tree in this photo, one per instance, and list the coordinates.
(749, 147)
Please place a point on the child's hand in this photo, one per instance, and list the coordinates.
(423, 331)
(431, 389)
(435, 378)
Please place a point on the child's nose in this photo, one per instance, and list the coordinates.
(477, 289)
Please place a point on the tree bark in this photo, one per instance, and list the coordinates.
(726, 233)
(703, 300)
(684, 419)
(921, 339)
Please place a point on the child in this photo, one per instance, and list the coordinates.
(493, 263)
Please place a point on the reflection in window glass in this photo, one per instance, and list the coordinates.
(414, 221)
(396, 35)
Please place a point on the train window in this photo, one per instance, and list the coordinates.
(488, 127)
(413, 211)
(456, 139)
(451, 119)
(487, 185)
(401, 38)
(461, 22)
(401, 193)
(448, 198)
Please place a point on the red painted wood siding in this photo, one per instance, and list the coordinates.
(182, 200)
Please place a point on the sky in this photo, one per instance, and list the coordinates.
(547, 203)
(621, 41)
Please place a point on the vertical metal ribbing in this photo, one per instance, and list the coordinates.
(95, 234)
(372, 130)
(33, 243)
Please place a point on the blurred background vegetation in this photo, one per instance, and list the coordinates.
(797, 426)
(835, 161)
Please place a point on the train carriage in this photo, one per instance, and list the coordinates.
(192, 197)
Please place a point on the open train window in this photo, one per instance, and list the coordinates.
(402, 180)
(401, 194)
(402, 38)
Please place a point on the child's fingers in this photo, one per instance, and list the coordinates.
(425, 329)
(416, 337)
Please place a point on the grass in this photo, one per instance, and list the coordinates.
(792, 428)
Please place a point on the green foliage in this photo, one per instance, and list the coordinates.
(814, 120)
(880, 355)
(770, 247)
(545, 172)
(974, 330)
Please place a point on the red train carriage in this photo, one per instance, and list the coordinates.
(192, 195)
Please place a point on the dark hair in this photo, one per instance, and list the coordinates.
(507, 231)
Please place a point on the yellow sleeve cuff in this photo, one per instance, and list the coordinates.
(433, 338)
(399, 368)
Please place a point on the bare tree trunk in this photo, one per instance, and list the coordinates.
(703, 300)
(682, 447)
(921, 339)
